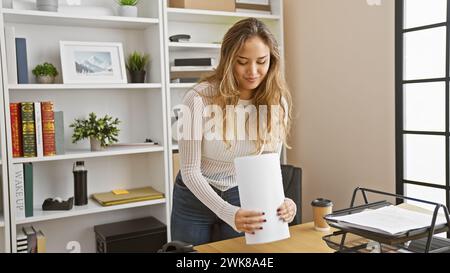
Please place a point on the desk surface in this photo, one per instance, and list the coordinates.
(304, 239)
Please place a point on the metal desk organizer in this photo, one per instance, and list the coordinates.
(353, 238)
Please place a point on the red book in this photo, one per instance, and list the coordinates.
(48, 128)
(16, 129)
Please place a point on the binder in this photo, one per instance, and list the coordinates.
(133, 195)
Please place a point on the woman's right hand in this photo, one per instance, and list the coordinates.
(249, 221)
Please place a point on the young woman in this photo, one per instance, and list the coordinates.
(205, 192)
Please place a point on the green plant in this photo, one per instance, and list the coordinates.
(127, 2)
(103, 129)
(46, 69)
(137, 61)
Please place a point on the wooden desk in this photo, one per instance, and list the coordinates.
(304, 239)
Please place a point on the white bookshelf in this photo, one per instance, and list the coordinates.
(213, 17)
(86, 153)
(91, 208)
(200, 46)
(70, 87)
(181, 85)
(52, 18)
(140, 107)
(144, 109)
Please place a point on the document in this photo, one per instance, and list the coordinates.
(391, 219)
(261, 189)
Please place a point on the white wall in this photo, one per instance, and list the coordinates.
(340, 67)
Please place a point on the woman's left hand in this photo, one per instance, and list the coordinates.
(287, 210)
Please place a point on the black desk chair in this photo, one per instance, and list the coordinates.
(292, 183)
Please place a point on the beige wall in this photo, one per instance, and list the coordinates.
(340, 67)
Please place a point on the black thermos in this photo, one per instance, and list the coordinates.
(80, 183)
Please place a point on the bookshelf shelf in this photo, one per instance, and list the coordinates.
(45, 87)
(80, 154)
(183, 46)
(52, 18)
(213, 17)
(91, 208)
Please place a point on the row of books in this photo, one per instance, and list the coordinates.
(190, 70)
(23, 187)
(254, 6)
(36, 129)
(30, 240)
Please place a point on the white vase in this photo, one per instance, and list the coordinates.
(96, 145)
(128, 11)
(47, 5)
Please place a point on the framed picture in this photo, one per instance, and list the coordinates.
(92, 62)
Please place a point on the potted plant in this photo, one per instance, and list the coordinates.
(136, 66)
(128, 8)
(47, 5)
(102, 132)
(45, 73)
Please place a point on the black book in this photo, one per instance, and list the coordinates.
(195, 62)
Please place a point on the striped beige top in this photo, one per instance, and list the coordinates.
(210, 163)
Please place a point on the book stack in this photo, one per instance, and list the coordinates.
(253, 6)
(31, 241)
(23, 187)
(191, 70)
(36, 129)
(21, 242)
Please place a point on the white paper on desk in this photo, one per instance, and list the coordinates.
(261, 189)
(391, 219)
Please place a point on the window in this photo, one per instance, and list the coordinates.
(422, 99)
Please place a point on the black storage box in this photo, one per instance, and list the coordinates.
(146, 235)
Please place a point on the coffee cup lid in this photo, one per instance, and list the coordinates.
(321, 202)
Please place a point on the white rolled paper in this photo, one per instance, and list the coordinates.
(261, 189)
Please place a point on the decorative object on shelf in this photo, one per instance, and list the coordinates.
(80, 183)
(149, 141)
(45, 73)
(92, 62)
(105, 130)
(253, 6)
(220, 5)
(128, 8)
(57, 204)
(47, 5)
(136, 66)
(174, 121)
(180, 38)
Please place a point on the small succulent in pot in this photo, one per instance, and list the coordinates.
(136, 65)
(45, 73)
(128, 8)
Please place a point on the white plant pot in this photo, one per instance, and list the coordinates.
(96, 145)
(128, 11)
(47, 5)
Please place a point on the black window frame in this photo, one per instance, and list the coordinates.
(399, 102)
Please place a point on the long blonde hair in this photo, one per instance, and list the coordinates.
(270, 92)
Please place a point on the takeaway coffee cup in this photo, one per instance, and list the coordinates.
(321, 207)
